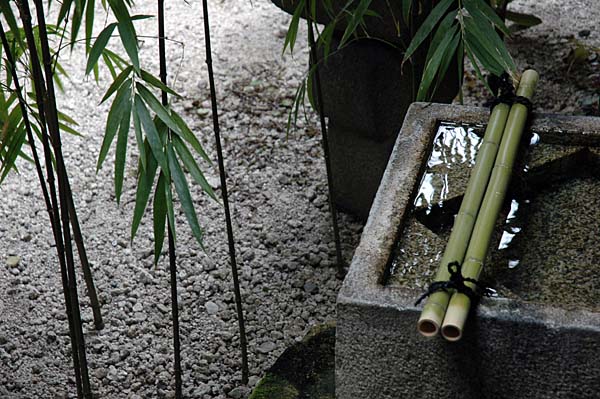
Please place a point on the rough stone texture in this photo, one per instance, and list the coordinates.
(510, 348)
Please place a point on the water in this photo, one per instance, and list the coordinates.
(547, 243)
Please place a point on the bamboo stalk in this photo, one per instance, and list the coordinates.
(435, 308)
(459, 305)
(39, 85)
(313, 63)
(222, 174)
(64, 193)
(171, 239)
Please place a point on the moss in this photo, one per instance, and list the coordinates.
(274, 387)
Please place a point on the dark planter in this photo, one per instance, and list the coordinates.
(366, 93)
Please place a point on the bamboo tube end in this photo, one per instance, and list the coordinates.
(451, 333)
(428, 328)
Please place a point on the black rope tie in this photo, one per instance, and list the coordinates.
(457, 282)
(507, 93)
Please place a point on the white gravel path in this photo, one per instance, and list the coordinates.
(278, 193)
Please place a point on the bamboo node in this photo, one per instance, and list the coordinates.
(457, 282)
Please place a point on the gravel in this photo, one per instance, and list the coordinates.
(279, 202)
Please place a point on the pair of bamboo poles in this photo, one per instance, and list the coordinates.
(474, 224)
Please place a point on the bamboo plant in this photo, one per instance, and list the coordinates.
(459, 305)
(435, 308)
(165, 143)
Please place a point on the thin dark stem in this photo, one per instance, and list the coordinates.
(230, 237)
(39, 85)
(325, 140)
(64, 194)
(172, 254)
(85, 264)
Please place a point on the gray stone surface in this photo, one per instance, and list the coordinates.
(511, 348)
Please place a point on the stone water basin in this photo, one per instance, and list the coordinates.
(540, 336)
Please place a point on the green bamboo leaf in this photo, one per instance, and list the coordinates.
(479, 7)
(460, 69)
(160, 110)
(68, 129)
(170, 211)
(99, 46)
(448, 57)
(9, 16)
(292, 33)
(183, 193)
(486, 37)
(121, 150)
(109, 65)
(139, 139)
(126, 31)
(483, 54)
(190, 163)
(432, 19)
(525, 20)
(432, 65)
(355, 20)
(441, 31)
(325, 38)
(156, 144)
(117, 83)
(89, 22)
(149, 78)
(189, 136)
(12, 152)
(406, 8)
(476, 66)
(113, 121)
(159, 216)
(76, 19)
(145, 180)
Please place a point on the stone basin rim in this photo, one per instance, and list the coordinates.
(363, 284)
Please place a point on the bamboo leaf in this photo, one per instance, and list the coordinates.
(484, 11)
(525, 20)
(292, 33)
(89, 22)
(112, 122)
(121, 150)
(488, 60)
(156, 144)
(170, 210)
(406, 8)
(156, 106)
(432, 19)
(149, 78)
(159, 216)
(486, 37)
(126, 31)
(117, 83)
(9, 16)
(189, 136)
(190, 163)
(145, 180)
(432, 65)
(99, 46)
(139, 139)
(183, 193)
(441, 31)
(355, 20)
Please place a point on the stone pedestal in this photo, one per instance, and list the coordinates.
(511, 348)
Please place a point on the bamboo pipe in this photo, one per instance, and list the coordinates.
(435, 308)
(459, 305)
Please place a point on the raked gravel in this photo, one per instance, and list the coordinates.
(279, 201)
